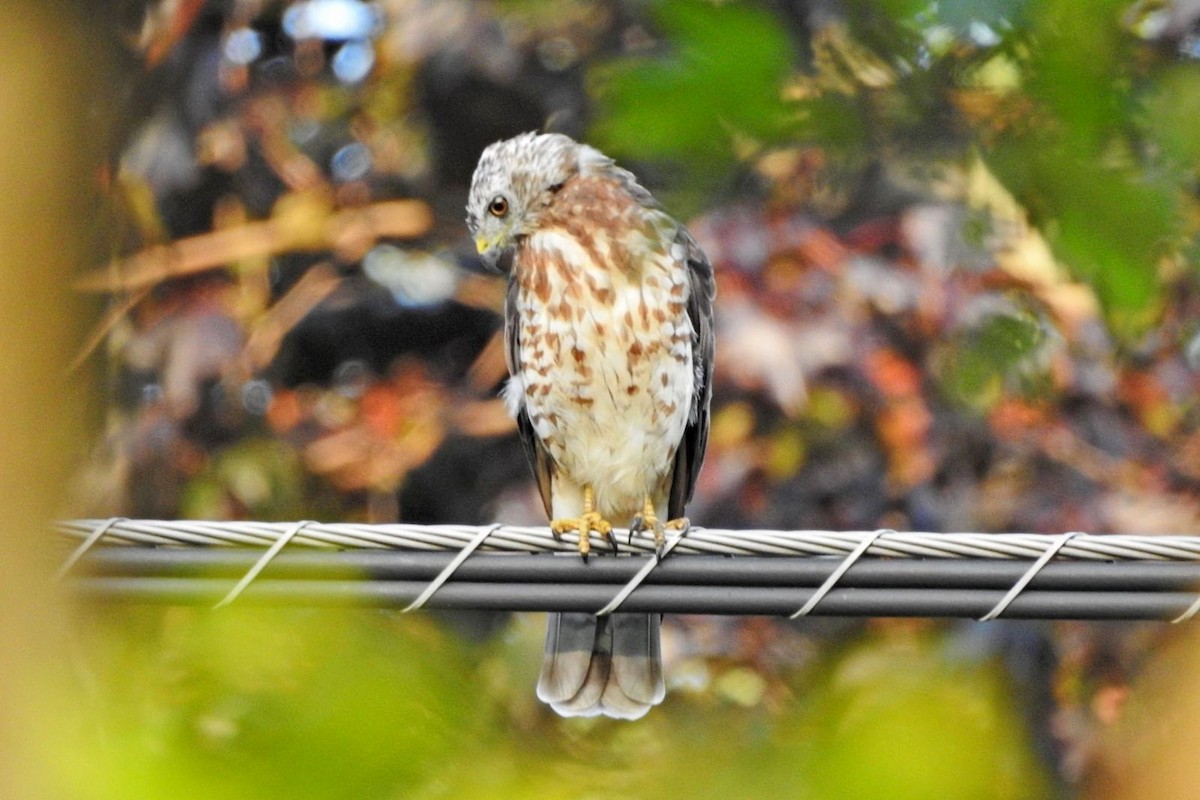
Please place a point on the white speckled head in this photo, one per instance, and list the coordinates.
(513, 181)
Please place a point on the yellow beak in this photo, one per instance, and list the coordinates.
(482, 244)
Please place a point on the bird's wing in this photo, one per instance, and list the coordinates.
(539, 459)
(702, 289)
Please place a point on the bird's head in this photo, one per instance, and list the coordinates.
(514, 181)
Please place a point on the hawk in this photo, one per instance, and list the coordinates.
(609, 331)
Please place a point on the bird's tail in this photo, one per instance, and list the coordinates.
(602, 665)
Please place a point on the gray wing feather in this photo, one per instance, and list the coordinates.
(535, 452)
(702, 289)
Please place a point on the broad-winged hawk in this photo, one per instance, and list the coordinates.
(608, 322)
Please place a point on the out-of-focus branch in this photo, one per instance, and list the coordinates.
(267, 333)
(295, 226)
(102, 328)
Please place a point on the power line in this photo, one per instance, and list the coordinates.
(524, 569)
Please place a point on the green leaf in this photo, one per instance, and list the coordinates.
(894, 709)
(722, 76)
(979, 364)
(1170, 112)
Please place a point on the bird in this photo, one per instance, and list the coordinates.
(608, 325)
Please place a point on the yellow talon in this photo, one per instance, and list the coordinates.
(590, 520)
(648, 521)
(585, 524)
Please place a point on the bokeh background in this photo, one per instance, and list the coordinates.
(955, 246)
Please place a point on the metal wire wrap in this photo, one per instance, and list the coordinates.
(500, 567)
(709, 541)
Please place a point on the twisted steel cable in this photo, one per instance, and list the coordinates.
(699, 541)
(867, 573)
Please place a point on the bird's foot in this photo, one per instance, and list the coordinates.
(644, 523)
(585, 523)
(649, 521)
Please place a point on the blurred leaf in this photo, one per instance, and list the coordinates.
(721, 77)
(999, 15)
(271, 703)
(1081, 84)
(1107, 225)
(897, 719)
(1106, 217)
(834, 121)
(831, 408)
(786, 454)
(1170, 113)
(983, 360)
(255, 479)
(1112, 234)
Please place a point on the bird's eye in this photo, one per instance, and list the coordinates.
(498, 207)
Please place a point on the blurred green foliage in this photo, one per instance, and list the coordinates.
(258, 478)
(1090, 128)
(1082, 166)
(998, 354)
(269, 703)
(322, 704)
(721, 77)
(897, 718)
